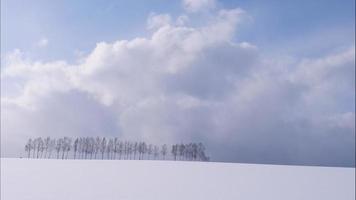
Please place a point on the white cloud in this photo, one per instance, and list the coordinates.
(42, 42)
(182, 20)
(199, 5)
(188, 83)
(157, 21)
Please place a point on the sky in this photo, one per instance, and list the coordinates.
(255, 81)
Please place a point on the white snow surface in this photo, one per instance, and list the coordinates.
(31, 179)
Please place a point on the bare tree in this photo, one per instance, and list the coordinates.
(75, 147)
(155, 152)
(109, 148)
(142, 149)
(103, 147)
(39, 146)
(135, 149)
(116, 142)
(46, 141)
(88, 147)
(121, 149)
(68, 145)
(126, 149)
(51, 147)
(164, 151)
(97, 146)
(181, 149)
(65, 146)
(175, 151)
(91, 147)
(149, 151)
(29, 147)
(129, 149)
(59, 146)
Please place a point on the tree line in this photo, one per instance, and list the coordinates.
(112, 149)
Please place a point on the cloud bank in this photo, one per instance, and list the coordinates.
(189, 83)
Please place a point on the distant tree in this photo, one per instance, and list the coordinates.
(126, 149)
(156, 152)
(46, 141)
(103, 147)
(68, 145)
(91, 147)
(129, 149)
(116, 144)
(51, 147)
(135, 149)
(149, 151)
(85, 147)
(194, 151)
(29, 147)
(175, 151)
(80, 148)
(164, 151)
(97, 146)
(75, 147)
(109, 148)
(181, 149)
(39, 146)
(120, 149)
(59, 146)
(142, 149)
(34, 147)
(65, 146)
(88, 147)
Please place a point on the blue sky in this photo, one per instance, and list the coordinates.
(256, 81)
(79, 25)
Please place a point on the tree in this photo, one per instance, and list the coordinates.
(28, 147)
(97, 146)
(75, 147)
(103, 147)
(201, 153)
(51, 147)
(66, 146)
(68, 142)
(181, 149)
(85, 147)
(126, 149)
(88, 147)
(47, 141)
(155, 152)
(91, 145)
(109, 148)
(142, 150)
(164, 150)
(116, 144)
(121, 149)
(175, 151)
(129, 149)
(149, 151)
(39, 146)
(59, 146)
(135, 149)
(194, 151)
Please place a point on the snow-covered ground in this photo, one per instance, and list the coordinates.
(24, 179)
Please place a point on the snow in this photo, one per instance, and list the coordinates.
(31, 179)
